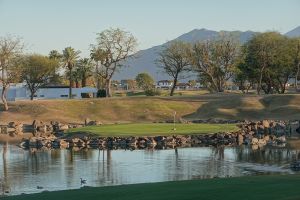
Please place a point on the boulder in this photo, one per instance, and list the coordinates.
(240, 139)
(64, 127)
(4, 129)
(266, 123)
(254, 141)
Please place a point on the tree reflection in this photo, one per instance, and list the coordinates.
(5, 186)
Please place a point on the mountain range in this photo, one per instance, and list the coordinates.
(144, 60)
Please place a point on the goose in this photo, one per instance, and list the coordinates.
(82, 181)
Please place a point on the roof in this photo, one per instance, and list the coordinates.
(165, 81)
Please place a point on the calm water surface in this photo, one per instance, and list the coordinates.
(21, 171)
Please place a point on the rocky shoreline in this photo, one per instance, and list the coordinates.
(51, 136)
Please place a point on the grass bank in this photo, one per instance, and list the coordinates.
(280, 187)
(152, 129)
(149, 109)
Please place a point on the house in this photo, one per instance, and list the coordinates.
(183, 86)
(20, 92)
(164, 84)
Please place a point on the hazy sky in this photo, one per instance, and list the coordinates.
(54, 24)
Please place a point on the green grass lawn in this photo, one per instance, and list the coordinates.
(277, 187)
(152, 129)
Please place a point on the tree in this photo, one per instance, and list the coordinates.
(36, 71)
(10, 50)
(113, 46)
(296, 57)
(69, 59)
(174, 59)
(267, 59)
(214, 61)
(56, 78)
(84, 68)
(97, 55)
(144, 81)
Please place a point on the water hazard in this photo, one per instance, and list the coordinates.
(23, 171)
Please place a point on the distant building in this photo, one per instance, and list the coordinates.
(183, 86)
(20, 92)
(164, 84)
(128, 84)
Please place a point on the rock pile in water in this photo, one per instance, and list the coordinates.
(51, 135)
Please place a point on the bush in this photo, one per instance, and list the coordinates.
(152, 92)
(101, 93)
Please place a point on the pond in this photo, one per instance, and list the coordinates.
(23, 170)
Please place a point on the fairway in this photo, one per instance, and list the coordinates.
(244, 188)
(151, 129)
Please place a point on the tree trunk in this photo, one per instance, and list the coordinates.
(260, 81)
(71, 83)
(296, 77)
(3, 97)
(77, 84)
(107, 88)
(31, 96)
(174, 85)
(83, 82)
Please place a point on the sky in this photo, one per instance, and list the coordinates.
(45, 25)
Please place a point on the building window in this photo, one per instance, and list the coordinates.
(64, 95)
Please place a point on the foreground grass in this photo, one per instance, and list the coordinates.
(152, 129)
(244, 188)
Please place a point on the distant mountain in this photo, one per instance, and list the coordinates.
(145, 59)
(294, 33)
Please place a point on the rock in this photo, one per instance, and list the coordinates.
(11, 125)
(64, 127)
(281, 139)
(262, 142)
(266, 123)
(240, 139)
(254, 141)
(4, 129)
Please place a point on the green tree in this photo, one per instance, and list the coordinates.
(84, 68)
(36, 71)
(113, 46)
(268, 60)
(144, 81)
(296, 56)
(10, 51)
(174, 59)
(69, 60)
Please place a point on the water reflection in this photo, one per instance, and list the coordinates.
(23, 171)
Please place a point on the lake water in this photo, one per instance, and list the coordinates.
(21, 171)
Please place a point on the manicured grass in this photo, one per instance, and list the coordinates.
(150, 129)
(245, 188)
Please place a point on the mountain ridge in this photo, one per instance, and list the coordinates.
(145, 59)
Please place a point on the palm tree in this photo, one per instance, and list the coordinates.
(69, 59)
(85, 70)
(97, 55)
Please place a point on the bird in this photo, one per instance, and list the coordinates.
(82, 181)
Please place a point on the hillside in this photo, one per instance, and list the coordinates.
(145, 59)
(294, 33)
(149, 109)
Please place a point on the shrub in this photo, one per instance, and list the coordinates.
(101, 93)
(152, 92)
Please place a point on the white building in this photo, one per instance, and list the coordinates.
(20, 92)
(166, 84)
